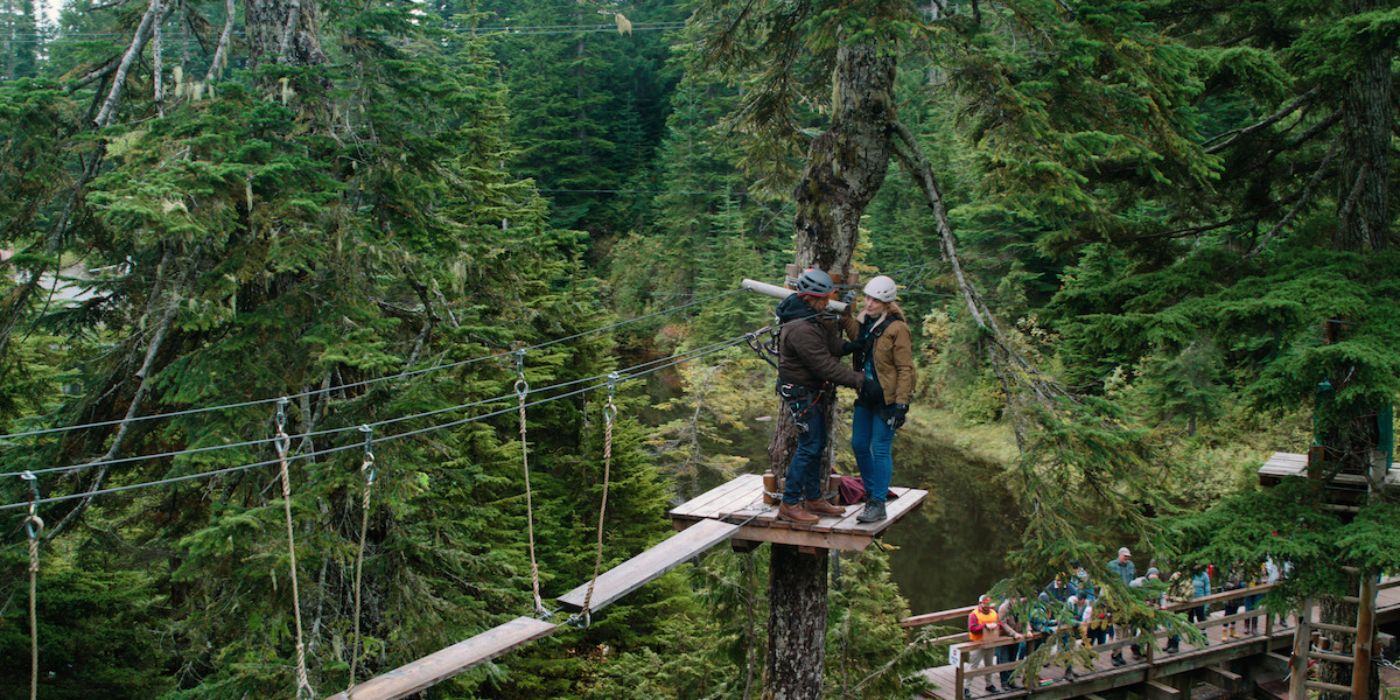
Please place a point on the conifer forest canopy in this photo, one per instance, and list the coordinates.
(1141, 245)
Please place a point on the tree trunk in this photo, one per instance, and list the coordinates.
(796, 624)
(845, 167)
(1368, 116)
(847, 164)
(284, 31)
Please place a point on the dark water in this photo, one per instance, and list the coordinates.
(953, 548)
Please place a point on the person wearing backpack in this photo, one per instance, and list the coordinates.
(884, 354)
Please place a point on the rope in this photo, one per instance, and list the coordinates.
(368, 470)
(522, 388)
(282, 444)
(609, 417)
(34, 527)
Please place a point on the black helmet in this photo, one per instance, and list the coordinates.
(814, 282)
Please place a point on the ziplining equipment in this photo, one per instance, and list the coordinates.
(375, 380)
(522, 388)
(33, 527)
(368, 470)
(609, 415)
(282, 444)
(778, 292)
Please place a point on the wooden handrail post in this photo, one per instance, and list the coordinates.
(1298, 662)
(959, 681)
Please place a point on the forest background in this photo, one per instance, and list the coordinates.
(1161, 201)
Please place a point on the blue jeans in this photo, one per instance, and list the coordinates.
(1006, 655)
(871, 438)
(804, 472)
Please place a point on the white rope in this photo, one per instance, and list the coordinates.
(367, 468)
(609, 417)
(34, 527)
(282, 444)
(522, 389)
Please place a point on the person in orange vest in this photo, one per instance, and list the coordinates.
(982, 625)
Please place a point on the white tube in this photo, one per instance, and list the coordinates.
(777, 292)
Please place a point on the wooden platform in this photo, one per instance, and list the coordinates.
(1283, 465)
(740, 502)
(1052, 683)
(651, 564)
(439, 666)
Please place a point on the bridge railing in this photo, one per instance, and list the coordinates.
(962, 650)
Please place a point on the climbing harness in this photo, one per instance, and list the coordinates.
(522, 389)
(34, 527)
(609, 418)
(795, 395)
(367, 469)
(283, 443)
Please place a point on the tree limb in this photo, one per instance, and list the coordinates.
(94, 75)
(107, 114)
(1299, 202)
(143, 376)
(221, 51)
(1236, 134)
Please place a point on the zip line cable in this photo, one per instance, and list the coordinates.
(679, 358)
(332, 431)
(368, 382)
(351, 385)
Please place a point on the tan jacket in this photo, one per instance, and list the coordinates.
(894, 359)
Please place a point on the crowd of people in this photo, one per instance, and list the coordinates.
(1071, 613)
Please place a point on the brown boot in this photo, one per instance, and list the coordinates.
(795, 513)
(820, 507)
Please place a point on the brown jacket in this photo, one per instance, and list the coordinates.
(808, 348)
(894, 359)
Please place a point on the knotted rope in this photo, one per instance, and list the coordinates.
(283, 443)
(609, 417)
(367, 469)
(34, 527)
(522, 389)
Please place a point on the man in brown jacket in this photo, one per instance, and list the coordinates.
(807, 370)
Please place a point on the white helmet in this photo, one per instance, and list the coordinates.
(881, 288)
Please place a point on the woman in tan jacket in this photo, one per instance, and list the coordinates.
(886, 357)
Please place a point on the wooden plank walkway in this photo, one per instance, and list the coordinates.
(441, 665)
(1282, 465)
(1104, 676)
(740, 501)
(651, 564)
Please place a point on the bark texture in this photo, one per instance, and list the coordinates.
(1367, 118)
(796, 624)
(284, 31)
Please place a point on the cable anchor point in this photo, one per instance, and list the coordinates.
(367, 467)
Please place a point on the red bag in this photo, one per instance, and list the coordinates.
(852, 491)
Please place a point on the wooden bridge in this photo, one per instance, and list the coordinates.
(1156, 675)
(732, 511)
